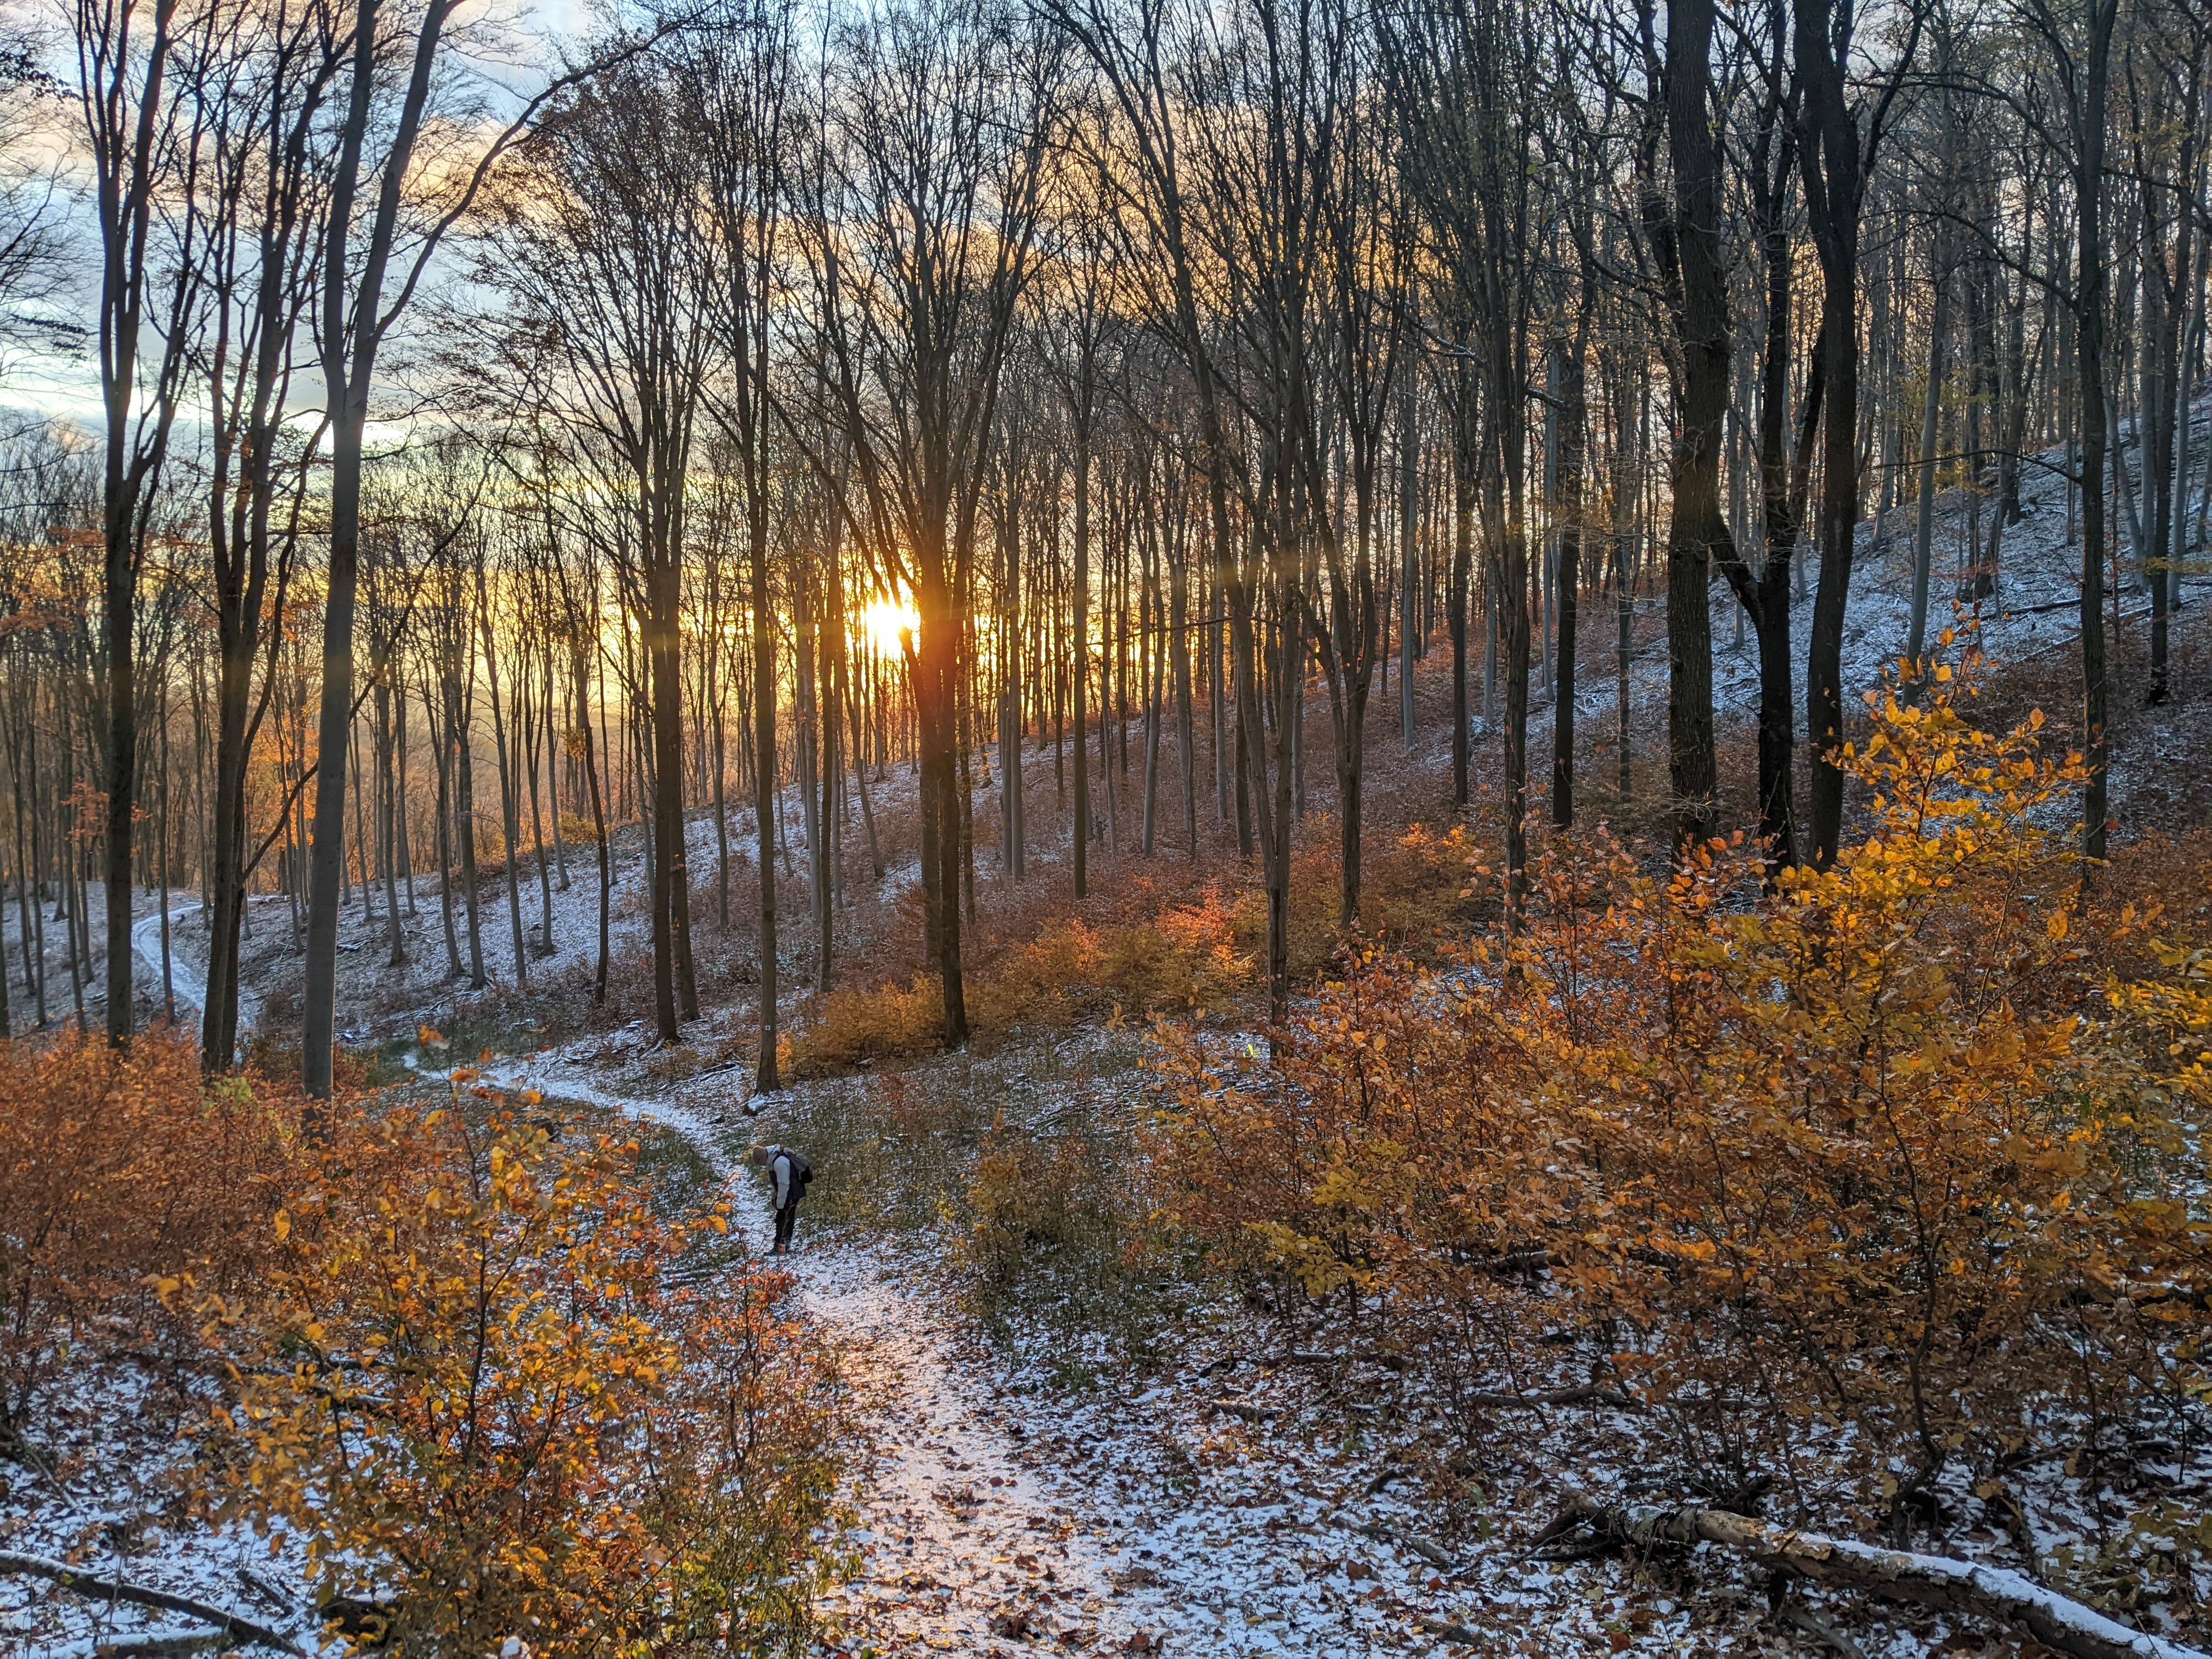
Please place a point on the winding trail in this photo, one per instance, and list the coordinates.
(187, 976)
(186, 982)
(996, 1522)
(963, 1546)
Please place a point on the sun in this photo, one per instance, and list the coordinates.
(884, 621)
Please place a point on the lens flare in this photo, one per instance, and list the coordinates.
(884, 621)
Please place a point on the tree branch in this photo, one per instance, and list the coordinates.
(1935, 1581)
(97, 1587)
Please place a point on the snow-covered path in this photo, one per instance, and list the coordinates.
(187, 966)
(186, 981)
(961, 1543)
(964, 1544)
(996, 1521)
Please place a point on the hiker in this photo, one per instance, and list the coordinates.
(789, 1174)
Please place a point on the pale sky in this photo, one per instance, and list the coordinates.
(35, 380)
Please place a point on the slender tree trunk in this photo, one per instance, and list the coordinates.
(464, 814)
(527, 759)
(1462, 569)
(1834, 174)
(442, 747)
(1574, 420)
(766, 1079)
(1080, 686)
(509, 820)
(675, 991)
(1179, 654)
(1923, 529)
(2089, 345)
(1699, 525)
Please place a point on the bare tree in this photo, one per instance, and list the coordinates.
(146, 150)
(919, 231)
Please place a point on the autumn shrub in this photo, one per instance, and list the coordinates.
(498, 1395)
(859, 1023)
(1187, 960)
(1413, 886)
(1879, 1180)
(496, 1385)
(117, 1168)
(1060, 1225)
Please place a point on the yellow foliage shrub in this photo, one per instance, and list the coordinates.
(478, 1391)
(878, 1022)
(1858, 1181)
(460, 1360)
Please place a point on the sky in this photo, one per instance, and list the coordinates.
(40, 380)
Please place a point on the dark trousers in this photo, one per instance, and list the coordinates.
(784, 1218)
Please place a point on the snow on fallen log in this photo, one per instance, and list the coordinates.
(103, 1587)
(163, 1640)
(1935, 1581)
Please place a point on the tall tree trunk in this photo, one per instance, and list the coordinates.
(671, 868)
(1834, 168)
(443, 748)
(510, 821)
(936, 665)
(1463, 438)
(1923, 529)
(1079, 692)
(1574, 425)
(1179, 657)
(1700, 529)
(766, 1079)
(2089, 347)
(388, 785)
(351, 328)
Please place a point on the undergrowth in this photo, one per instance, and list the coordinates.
(467, 1360)
(1876, 1195)
(1195, 955)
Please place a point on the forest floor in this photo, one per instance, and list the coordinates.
(1072, 1471)
(1185, 1478)
(1192, 1479)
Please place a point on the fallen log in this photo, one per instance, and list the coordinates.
(1934, 1581)
(158, 1642)
(233, 1627)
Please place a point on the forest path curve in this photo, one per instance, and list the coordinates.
(962, 1548)
(993, 1521)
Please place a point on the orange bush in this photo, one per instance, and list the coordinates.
(1186, 960)
(1858, 1183)
(480, 1392)
(115, 1169)
(874, 1022)
(493, 1387)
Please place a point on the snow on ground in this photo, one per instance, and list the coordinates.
(1230, 1505)
(980, 1529)
(1239, 1502)
(96, 1492)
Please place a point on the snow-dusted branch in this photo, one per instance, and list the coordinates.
(231, 1627)
(1935, 1581)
